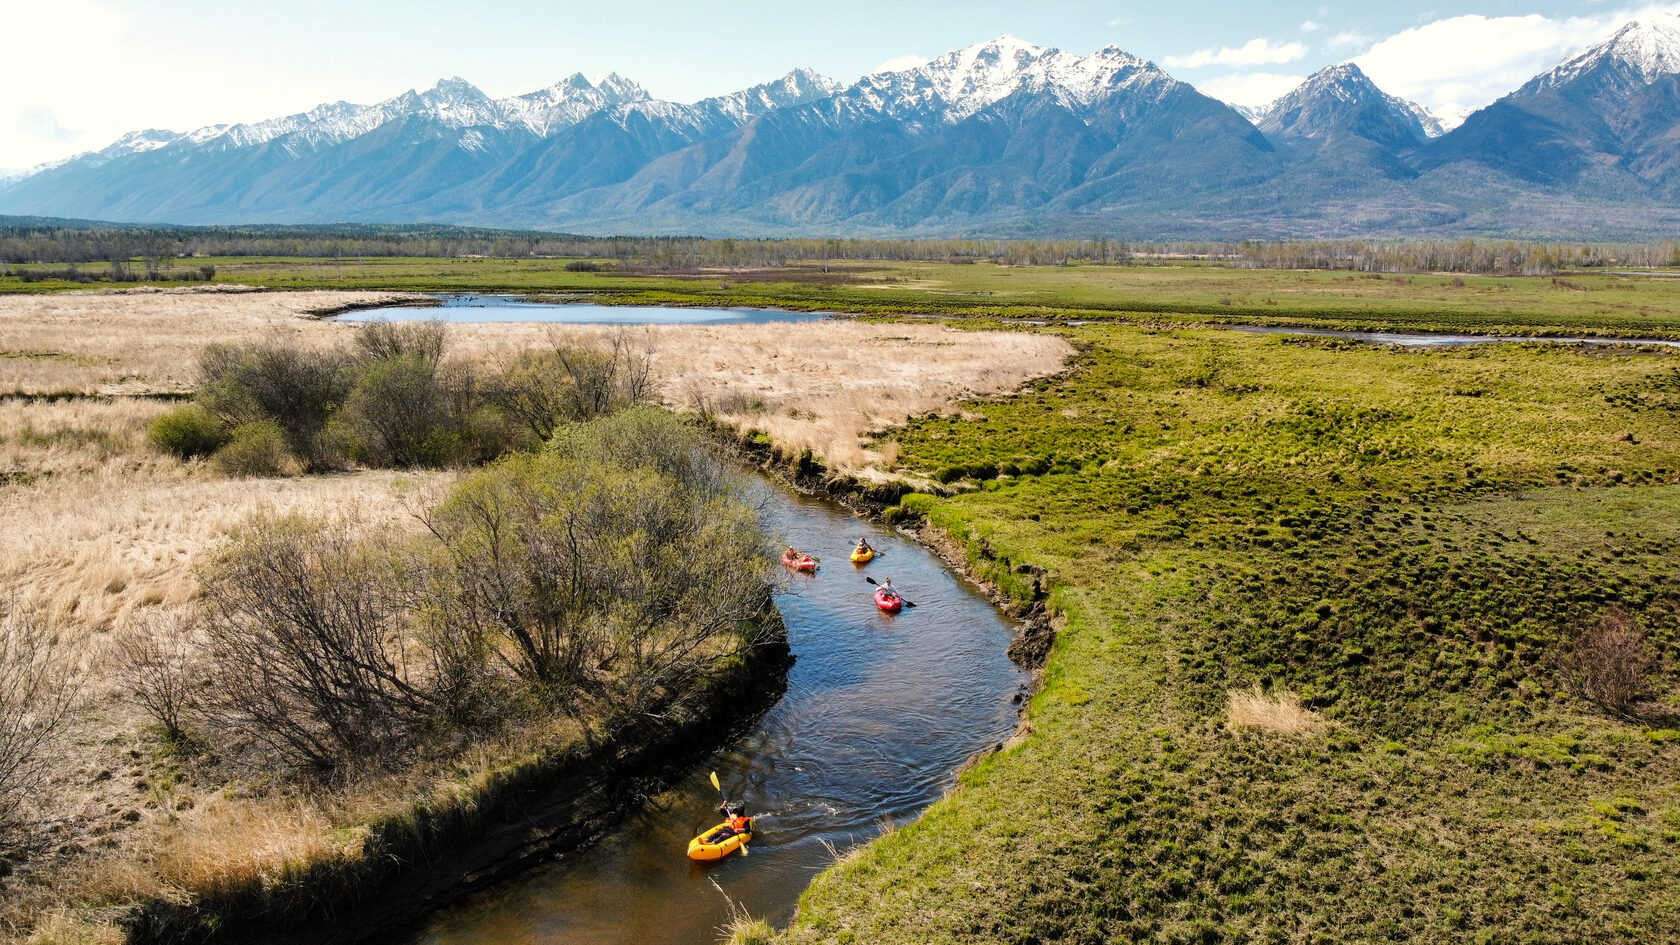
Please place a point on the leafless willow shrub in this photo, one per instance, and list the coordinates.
(1611, 662)
(423, 340)
(544, 389)
(313, 648)
(607, 568)
(157, 669)
(38, 689)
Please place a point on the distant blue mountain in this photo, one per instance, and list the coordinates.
(1000, 138)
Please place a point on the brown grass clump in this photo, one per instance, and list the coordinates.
(63, 928)
(1279, 711)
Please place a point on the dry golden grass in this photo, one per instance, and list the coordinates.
(146, 341)
(822, 385)
(63, 928)
(1279, 711)
(91, 548)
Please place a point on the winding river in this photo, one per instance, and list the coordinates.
(879, 713)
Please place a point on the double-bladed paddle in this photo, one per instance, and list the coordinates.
(907, 601)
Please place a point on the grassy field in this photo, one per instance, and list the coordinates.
(1586, 303)
(1399, 548)
(1407, 541)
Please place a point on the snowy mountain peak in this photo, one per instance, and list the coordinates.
(615, 86)
(1644, 49)
(1336, 95)
(960, 83)
(136, 142)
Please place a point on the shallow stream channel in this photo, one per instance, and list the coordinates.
(880, 712)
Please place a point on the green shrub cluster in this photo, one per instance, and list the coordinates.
(392, 400)
(188, 432)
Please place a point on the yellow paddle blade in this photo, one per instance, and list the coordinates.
(715, 781)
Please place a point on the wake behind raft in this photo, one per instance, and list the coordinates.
(725, 838)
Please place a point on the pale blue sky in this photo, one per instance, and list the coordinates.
(179, 64)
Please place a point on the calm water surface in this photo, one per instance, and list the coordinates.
(508, 308)
(880, 710)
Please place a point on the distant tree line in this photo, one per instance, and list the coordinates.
(126, 250)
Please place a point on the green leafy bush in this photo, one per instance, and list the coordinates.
(188, 432)
(257, 449)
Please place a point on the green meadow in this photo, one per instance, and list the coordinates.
(1413, 554)
(1413, 543)
(1587, 302)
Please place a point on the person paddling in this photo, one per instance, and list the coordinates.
(736, 821)
(863, 547)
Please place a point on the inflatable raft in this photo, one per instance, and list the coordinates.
(888, 601)
(863, 557)
(804, 563)
(713, 845)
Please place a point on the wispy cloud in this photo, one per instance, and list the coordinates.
(1311, 26)
(901, 63)
(42, 124)
(1250, 88)
(1255, 52)
(1346, 40)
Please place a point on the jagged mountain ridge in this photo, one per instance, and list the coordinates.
(1000, 137)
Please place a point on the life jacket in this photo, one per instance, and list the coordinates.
(739, 823)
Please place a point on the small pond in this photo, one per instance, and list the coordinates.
(511, 308)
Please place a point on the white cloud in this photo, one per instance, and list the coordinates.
(1347, 39)
(1311, 26)
(1457, 65)
(1255, 52)
(43, 124)
(900, 64)
(1250, 88)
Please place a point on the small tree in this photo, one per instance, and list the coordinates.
(156, 664)
(1611, 662)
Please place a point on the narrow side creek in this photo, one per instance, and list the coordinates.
(879, 713)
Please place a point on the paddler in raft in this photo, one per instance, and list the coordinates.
(735, 821)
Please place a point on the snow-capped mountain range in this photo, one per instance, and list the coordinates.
(1003, 136)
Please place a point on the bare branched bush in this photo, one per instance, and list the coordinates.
(296, 388)
(1611, 662)
(609, 566)
(156, 666)
(38, 689)
(312, 651)
(543, 389)
(425, 341)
